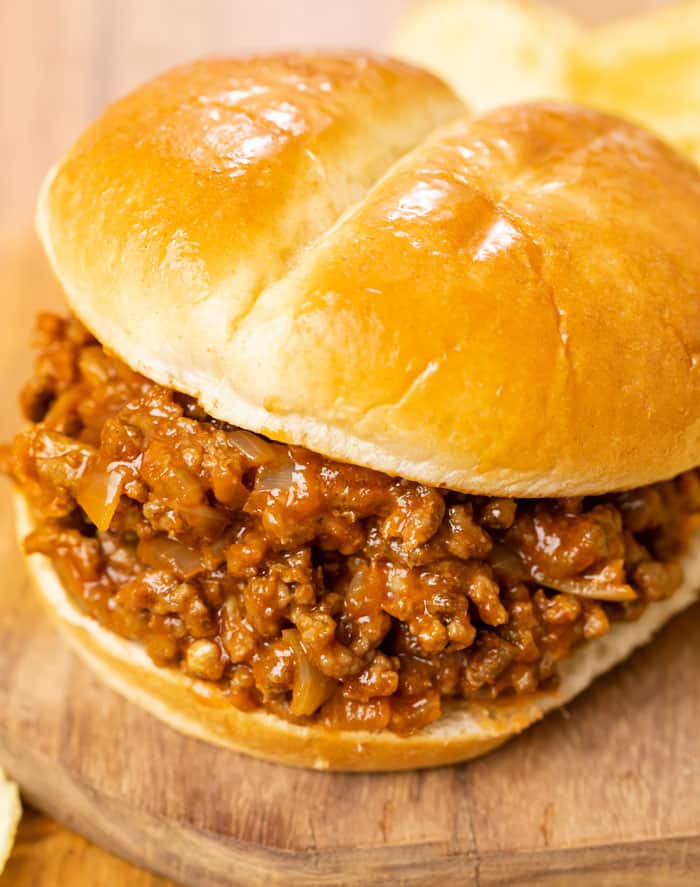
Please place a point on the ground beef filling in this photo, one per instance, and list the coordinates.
(320, 591)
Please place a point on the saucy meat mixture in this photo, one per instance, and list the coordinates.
(320, 591)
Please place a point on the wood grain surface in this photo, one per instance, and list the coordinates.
(49, 854)
(610, 788)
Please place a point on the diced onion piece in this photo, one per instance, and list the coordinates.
(254, 447)
(605, 585)
(160, 552)
(207, 521)
(276, 477)
(214, 554)
(60, 460)
(311, 687)
(505, 561)
(98, 495)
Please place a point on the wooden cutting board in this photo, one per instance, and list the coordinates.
(610, 787)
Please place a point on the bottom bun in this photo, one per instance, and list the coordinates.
(465, 730)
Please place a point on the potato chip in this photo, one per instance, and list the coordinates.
(10, 814)
(491, 51)
(646, 67)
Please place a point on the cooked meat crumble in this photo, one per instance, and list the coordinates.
(321, 591)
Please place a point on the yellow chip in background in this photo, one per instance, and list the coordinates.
(10, 815)
(646, 67)
(492, 52)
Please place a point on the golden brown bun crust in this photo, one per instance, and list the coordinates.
(513, 309)
(214, 175)
(464, 731)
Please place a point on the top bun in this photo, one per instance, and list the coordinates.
(513, 308)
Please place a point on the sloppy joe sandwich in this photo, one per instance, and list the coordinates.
(373, 432)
